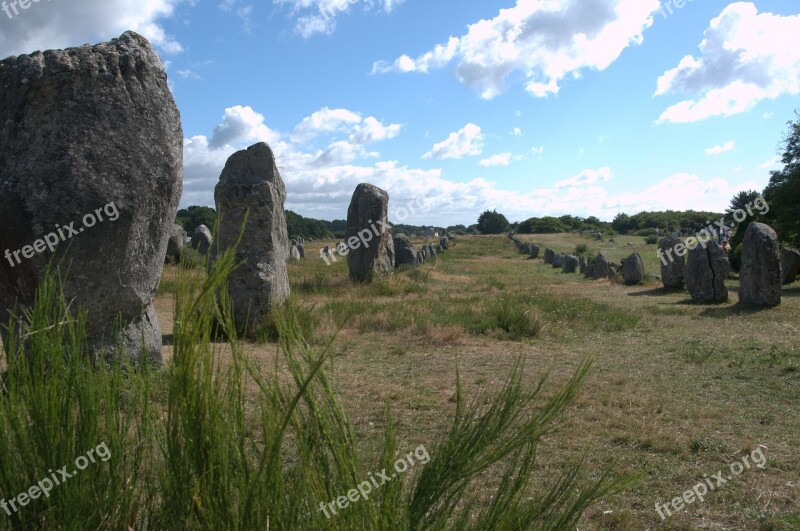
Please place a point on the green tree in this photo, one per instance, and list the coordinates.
(492, 222)
(783, 191)
(623, 223)
(192, 217)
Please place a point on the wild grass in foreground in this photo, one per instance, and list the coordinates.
(213, 442)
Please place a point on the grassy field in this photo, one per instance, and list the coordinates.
(678, 391)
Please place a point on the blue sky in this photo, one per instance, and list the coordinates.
(532, 107)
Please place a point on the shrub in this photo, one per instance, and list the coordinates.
(651, 240)
(582, 249)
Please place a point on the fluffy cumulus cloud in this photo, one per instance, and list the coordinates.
(542, 41)
(745, 57)
(319, 16)
(467, 141)
(60, 24)
(322, 167)
(719, 150)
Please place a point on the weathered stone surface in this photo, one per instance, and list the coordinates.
(583, 263)
(251, 182)
(444, 242)
(571, 264)
(534, 251)
(301, 249)
(371, 244)
(760, 276)
(673, 266)
(549, 255)
(633, 269)
(558, 261)
(601, 269)
(790, 265)
(91, 132)
(706, 270)
(201, 239)
(294, 253)
(177, 239)
(431, 251)
(589, 273)
(404, 251)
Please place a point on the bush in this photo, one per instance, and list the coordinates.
(582, 249)
(735, 258)
(651, 240)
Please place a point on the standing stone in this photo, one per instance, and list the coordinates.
(571, 264)
(790, 265)
(301, 250)
(431, 251)
(201, 239)
(601, 269)
(534, 253)
(90, 136)
(371, 245)
(444, 242)
(633, 269)
(673, 267)
(706, 270)
(251, 182)
(525, 248)
(294, 254)
(404, 251)
(558, 261)
(177, 238)
(583, 263)
(549, 255)
(760, 277)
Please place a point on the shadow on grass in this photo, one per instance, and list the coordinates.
(654, 292)
(730, 311)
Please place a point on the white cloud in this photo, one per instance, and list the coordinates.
(49, 25)
(516, 131)
(467, 141)
(719, 150)
(320, 181)
(744, 59)
(771, 163)
(585, 178)
(319, 16)
(501, 159)
(737, 169)
(543, 41)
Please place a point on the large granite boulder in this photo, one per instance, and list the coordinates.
(404, 251)
(673, 265)
(558, 261)
(91, 156)
(301, 250)
(601, 269)
(371, 245)
(760, 276)
(706, 270)
(571, 264)
(250, 182)
(549, 255)
(202, 239)
(177, 239)
(294, 254)
(534, 251)
(790, 265)
(633, 269)
(444, 242)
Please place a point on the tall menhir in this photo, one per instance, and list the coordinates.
(79, 129)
